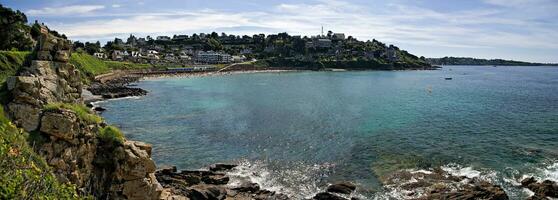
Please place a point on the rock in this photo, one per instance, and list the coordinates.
(25, 115)
(99, 109)
(141, 189)
(528, 181)
(62, 56)
(247, 187)
(543, 189)
(217, 179)
(135, 162)
(327, 196)
(62, 124)
(482, 190)
(207, 192)
(167, 170)
(342, 188)
(221, 167)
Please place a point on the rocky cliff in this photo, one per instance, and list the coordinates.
(46, 100)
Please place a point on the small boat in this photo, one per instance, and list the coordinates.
(449, 78)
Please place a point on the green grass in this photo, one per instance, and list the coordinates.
(82, 112)
(88, 65)
(111, 134)
(126, 65)
(11, 62)
(23, 173)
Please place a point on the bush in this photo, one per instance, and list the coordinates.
(23, 173)
(111, 134)
(82, 112)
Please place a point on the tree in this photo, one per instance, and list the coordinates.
(14, 31)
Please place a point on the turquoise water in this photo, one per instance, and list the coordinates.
(300, 130)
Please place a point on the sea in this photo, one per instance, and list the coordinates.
(296, 132)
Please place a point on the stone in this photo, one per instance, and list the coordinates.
(221, 167)
(61, 125)
(136, 163)
(62, 56)
(25, 116)
(542, 190)
(247, 187)
(207, 192)
(342, 188)
(141, 189)
(217, 179)
(327, 196)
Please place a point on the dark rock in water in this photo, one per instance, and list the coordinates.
(247, 187)
(528, 181)
(543, 189)
(482, 190)
(99, 109)
(167, 170)
(221, 167)
(89, 105)
(217, 179)
(327, 196)
(342, 188)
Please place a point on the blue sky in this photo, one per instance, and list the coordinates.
(510, 29)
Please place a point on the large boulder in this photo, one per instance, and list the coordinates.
(134, 162)
(543, 190)
(61, 124)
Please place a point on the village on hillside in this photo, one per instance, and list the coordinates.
(223, 49)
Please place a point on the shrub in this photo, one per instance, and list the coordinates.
(111, 134)
(82, 112)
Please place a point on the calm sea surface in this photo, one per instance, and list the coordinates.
(297, 131)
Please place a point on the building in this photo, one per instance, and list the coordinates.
(338, 36)
(239, 59)
(211, 57)
(100, 55)
(321, 43)
(119, 55)
(163, 38)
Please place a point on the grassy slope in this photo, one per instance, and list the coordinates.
(23, 173)
(11, 61)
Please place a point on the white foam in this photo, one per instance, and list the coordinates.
(298, 182)
(456, 170)
(550, 172)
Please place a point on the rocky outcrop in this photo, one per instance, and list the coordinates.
(117, 87)
(542, 190)
(212, 184)
(71, 145)
(440, 184)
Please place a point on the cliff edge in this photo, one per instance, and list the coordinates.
(45, 99)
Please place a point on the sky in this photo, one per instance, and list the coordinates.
(524, 30)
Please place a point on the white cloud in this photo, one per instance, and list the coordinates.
(116, 5)
(65, 10)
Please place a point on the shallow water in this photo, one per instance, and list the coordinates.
(301, 130)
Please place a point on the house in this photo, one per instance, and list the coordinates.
(119, 55)
(100, 55)
(180, 37)
(338, 36)
(323, 43)
(211, 57)
(163, 38)
(135, 54)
